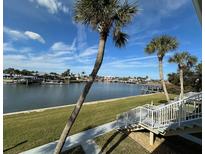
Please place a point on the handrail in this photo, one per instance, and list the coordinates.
(175, 112)
(180, 100)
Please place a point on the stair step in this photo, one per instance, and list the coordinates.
(198, 124)
(188, 127)
(169, 118)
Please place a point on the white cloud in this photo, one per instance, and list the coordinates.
(14, 34)
(25, 50)
(34, 36)
(171, 5)
(20, 35)
(89, 51)
(61, 46)
(61, 60)
(59, 57)
(162, 7)
(81, 36)
(14, 58)
(53, 6)
(152, 14)
(32, 63)
(8, 47)
(133, 62)
(141, 39)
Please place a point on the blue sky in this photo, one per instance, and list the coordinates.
(41, 35)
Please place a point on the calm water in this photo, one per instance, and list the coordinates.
(22, 97)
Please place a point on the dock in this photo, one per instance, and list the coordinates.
(151, 88)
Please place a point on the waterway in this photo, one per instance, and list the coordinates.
(23, 97)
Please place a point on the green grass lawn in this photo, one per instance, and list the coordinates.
(119, 143)
(25, 131)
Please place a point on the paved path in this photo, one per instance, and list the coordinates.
(90, 147)
(192, 138)
(74, 139)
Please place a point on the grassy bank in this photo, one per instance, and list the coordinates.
(119, 143)
(26, 131)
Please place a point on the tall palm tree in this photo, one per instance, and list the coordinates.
(161, 45)
(103, 16)
(184, 60)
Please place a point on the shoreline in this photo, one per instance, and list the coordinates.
(85, 103)
(82, 81)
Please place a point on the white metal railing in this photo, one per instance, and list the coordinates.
(162, 116)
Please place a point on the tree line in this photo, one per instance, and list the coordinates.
(192, 78)
(13, 71)
(160, 46)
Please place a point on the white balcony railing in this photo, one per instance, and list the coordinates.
(164, 116)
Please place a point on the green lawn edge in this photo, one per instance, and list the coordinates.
(28, 130)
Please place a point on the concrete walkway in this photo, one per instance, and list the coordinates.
(90, 147)
(75, 139)
(192, 138)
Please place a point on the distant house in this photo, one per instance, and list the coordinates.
(28, 77)
(148, 79)
(108, 78)
(14, 76)
(7, 75)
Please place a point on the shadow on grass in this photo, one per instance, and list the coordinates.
(15, 145)
(88, 127)
(178, 145)
(111, 139)
(81, 137)
(162, 101)
(76, 150)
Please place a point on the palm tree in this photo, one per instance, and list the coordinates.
(103, 16)
(161, 45)
(184, 60)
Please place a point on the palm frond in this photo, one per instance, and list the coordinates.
(172, 60)
(175, 58)
(88, 12)
(119, 38)
(103, 15)
(150, 48)
(125, 13)
(192, 61)
(183, 59)
(161, 45)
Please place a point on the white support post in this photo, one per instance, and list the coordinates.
(160, 117)
(169, 114)
(194, 109)
(126, 121)
(179, 114)
(163, 116)
(151, 139)
(140, 116)
(152, 119)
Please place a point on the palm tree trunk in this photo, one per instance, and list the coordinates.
(76, 110)
(181, 83)
(162, 80)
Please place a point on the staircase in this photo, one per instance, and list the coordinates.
(179, 116)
